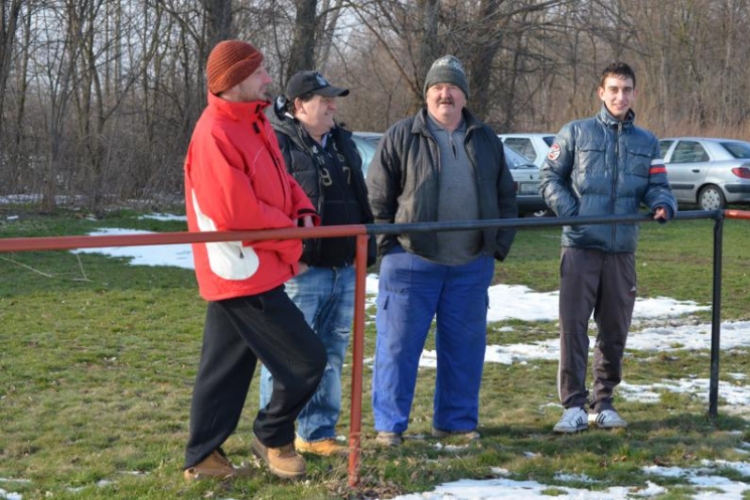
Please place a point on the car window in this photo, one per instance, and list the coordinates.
(737, 149)
(521, 146)
(366, 149)
(549, 139)
(689, 152)
(664, 148)
(515, 160)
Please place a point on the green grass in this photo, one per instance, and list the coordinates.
(97, 359)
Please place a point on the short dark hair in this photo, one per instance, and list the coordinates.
(619, 69)
(290, 102)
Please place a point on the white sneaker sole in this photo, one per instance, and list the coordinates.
(593, 421)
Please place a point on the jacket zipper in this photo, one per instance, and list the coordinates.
(618, 131)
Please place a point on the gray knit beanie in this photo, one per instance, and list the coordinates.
(447, 69)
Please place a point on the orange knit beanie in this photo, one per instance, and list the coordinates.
(229, 63)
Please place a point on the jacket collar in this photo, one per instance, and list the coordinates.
(240, 111)
(610, 121)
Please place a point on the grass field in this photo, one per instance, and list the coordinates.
(97, 359)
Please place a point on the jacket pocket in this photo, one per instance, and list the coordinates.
(591, 158)
(231, 261)
(639, 160)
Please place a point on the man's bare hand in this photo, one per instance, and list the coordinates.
(660, 213)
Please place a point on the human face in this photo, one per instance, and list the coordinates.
(316, 114)
(618, 94)
(252, 88)
(445, 103)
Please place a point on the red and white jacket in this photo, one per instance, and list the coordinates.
(235, 180)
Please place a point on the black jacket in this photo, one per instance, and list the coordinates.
(296, 146)
(404, 182)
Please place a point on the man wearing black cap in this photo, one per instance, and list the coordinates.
(441, 165)
(323, 159)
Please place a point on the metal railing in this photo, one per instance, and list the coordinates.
(362, 233)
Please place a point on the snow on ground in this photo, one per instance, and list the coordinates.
(521, 303)
(716, 487)
(151, 255)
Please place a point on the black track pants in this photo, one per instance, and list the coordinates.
(605, 284)
(239, 332)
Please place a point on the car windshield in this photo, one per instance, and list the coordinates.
(737, 149)
(515, 160)
(366, 144)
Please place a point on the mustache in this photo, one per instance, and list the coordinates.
(447, 100)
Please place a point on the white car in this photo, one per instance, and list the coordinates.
(526, 180)
(532, 145)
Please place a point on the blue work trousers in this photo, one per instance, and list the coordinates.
(413, 291)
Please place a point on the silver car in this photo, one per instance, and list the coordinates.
(367, 143)
(533, 146)
(707, 172)
(526, 179)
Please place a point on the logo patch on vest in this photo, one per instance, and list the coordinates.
(554, 152)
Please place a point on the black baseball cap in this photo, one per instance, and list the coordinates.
(312, 81)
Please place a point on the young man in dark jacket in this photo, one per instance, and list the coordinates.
(599, 166)
(323, 159)
(441, 165)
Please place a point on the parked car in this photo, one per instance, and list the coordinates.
(367, 143)
(525, 174)
(533, 146)
(526, 179)
(707, 172)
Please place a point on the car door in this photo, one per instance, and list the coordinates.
(687, 165)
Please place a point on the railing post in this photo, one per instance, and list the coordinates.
(713, 385)
(355, 426)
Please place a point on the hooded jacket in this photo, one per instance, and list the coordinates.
(296, 147)
(604, 166)
(235, 180)
(404, 181)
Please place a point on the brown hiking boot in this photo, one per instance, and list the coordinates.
(215, 466)
(324, 448)
(282, 461)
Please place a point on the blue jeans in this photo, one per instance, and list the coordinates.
(412, 291)
(326, 298)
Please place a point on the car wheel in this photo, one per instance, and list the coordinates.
(711, 198)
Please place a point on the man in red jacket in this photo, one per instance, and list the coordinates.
(235, 179)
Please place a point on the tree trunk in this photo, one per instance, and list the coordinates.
(302, 54)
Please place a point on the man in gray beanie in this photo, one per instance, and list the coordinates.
(442, 164)
(447, 69)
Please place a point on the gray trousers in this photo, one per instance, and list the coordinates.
(605, 284)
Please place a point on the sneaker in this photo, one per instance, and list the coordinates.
(465, 435)
(215, 466)
(386, 438)
(607, 419)
(324, 448)
(572, 420)
(282, 461)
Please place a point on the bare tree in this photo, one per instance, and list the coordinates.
(9, 13)
(302, 53)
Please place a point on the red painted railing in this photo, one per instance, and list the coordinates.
(361, 233)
